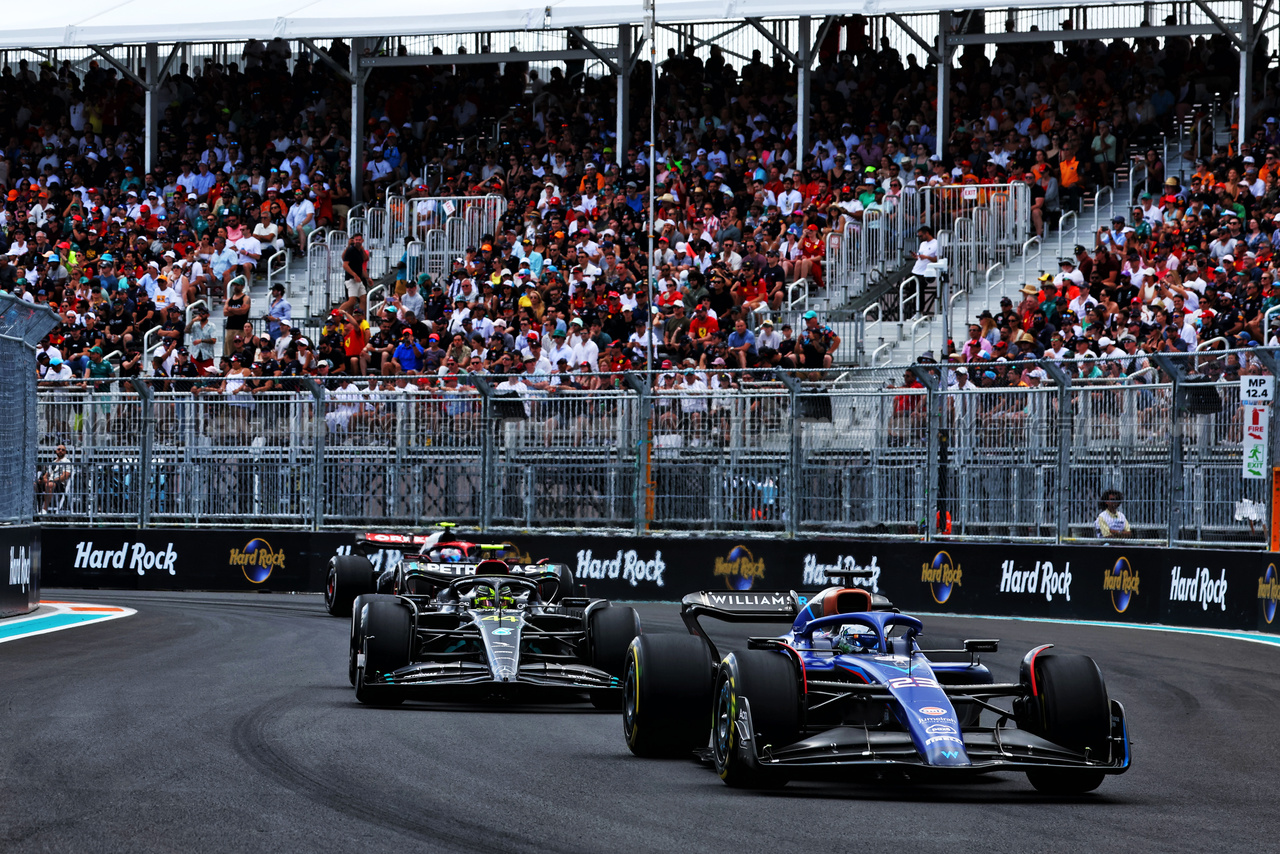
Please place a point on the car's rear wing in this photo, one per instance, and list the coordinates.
(378, 539)
(739, 606)
(446, 572)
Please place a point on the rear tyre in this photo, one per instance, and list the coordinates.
(357, 636)
(967, 712)
(349, 576)
(764, 682)
(609, 633)
(388, 640)
(666, 692)
(1071, 709)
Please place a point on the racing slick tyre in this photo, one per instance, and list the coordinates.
(349, 576)
(666, 691)
(609, 633)
(357, 635)
(763, 683)
(1068, 707)
(388, 638)
(967, 712)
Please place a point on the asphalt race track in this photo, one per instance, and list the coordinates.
(225, 723)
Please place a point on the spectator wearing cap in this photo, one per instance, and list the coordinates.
(561, 349)
(1068, 275)
(202, 338)
(976, 344)
(413, 300)
(279, 311)
(406, 358)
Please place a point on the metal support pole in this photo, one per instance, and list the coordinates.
(488, 439)
(147, 399)
(644, 452)
(317, 453)
(357, 121)
(150, 119)
(1245, 88)
(1177, 492)
(624, 91)
(650, 25)
(1063, 484)
(795, 458)
(931, 378)
(803, 61)
(944, 83)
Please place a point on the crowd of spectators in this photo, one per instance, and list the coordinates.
(252, 155)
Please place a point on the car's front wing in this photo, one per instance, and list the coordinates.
(988, 748)
(535, 677)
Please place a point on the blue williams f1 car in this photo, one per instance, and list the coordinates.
(848, 687)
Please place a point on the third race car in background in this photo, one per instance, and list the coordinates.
(847, 690)
(354, 574)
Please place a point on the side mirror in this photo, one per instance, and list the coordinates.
(981, 645)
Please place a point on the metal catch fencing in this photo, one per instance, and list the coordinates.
(931, 452)
(22, 325)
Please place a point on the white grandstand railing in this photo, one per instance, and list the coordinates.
(278, 265)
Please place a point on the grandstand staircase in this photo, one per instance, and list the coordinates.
(895, 340)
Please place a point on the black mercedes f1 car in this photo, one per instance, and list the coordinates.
(492, 630)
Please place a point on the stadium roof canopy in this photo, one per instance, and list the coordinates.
(77, 23)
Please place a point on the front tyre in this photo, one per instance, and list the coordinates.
(756, 706)
(666, 692)
(388, 641)
(1070, 708)
(357, 636)
(609, 633)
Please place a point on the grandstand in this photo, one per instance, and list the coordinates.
(835, 197)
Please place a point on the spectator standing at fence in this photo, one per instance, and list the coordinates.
(355, 264)
(926, 254)
(1111, 523)
(279, 311)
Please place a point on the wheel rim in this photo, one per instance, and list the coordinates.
(629, 697)
(330, 587)
(724, 722)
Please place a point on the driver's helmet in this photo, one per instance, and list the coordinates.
(850, 638)
(485, 596)
(451, 555)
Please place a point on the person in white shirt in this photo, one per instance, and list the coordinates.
(166, 295)
(1067, 275)
(560, 349)
(767, 337)
(248, 251)
(585, 350)
(926, 252)
(789, 199)
(1083, 302)
(693, 402)
(1111, 522)
(301, 219)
